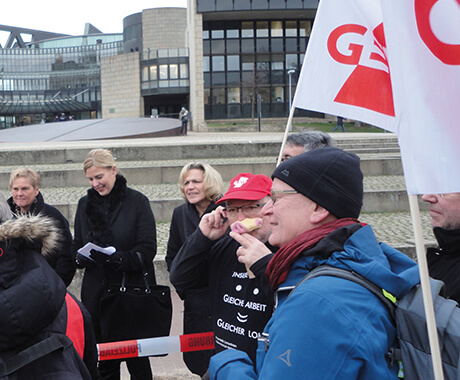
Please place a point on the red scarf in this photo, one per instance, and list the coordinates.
(279, 266)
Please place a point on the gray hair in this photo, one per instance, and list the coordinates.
(310, 140)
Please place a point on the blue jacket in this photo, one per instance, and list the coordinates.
(329, 328)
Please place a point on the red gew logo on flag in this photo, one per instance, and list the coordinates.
(367, 86)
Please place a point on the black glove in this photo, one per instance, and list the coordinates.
(83, 262)
(114, 260)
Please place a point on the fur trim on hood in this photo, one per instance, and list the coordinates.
(32, 228)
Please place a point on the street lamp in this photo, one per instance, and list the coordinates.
(289, 73)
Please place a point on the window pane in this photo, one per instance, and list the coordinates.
(291, 61)
(233, 63)
(218, 96)
(277, 28)
(305, 28)
(247, 29)
(145, 74)
(205, 34)
(233, 46)
(233, 33)
(291, 28)
(217, 34)
(233, 95)
(173, 71)
(206, 67)
(153, 72)
(277, 95)
(218, 47)
(183, 70)
(163, 72)
(247, 46)
(262, 28)
(218, 63)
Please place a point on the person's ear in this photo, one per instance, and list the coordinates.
(319, 214)
(114, 170)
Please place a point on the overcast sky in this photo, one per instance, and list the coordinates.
(69, 17)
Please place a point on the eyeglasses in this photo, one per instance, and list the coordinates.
(275, 192)
(249, 210)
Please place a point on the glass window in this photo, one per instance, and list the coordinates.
(247, 30)
(247, 62)
(247, 94)
(277, 45)
(291, 61)
(277, 65)
(206, 47)
(247, 46)
(233, 78)
(206, 67)
(218, 47)
(277, 28)
(233, 46)
(207, 96)
(163, 71)
(218, 79)
(217, 34)
(262, 45)
(173, 71)
(153, 72)
(291, 28)
(305, 28)
(145, 74)
(183, 70)
(291, 44)
(218, 63)
(277, 94)
(262, 28)
(233, 33)
(233, 62)
(205, 34)
(218, 96)
(233, 95)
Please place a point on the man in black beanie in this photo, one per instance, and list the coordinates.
(325, 327)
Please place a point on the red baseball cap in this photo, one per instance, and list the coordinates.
(248, 186)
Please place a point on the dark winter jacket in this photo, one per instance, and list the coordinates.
(32, 301)
(240, 306)
(444, 261)
(62, 261)
(197, 309)
(122, 219)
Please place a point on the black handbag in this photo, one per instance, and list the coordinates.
(135, 312)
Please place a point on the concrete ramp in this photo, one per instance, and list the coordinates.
(94, 129)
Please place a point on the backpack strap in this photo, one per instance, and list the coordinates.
(389, 301)
(34, 352)
(326, 270)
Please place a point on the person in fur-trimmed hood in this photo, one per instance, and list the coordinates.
(112, 214)
(35, 306)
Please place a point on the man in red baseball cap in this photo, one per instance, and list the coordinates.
(240, 305)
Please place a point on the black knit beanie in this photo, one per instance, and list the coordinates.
(329, 177)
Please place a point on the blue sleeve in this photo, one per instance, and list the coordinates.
(231, 364)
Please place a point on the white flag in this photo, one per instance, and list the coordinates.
(373, 61)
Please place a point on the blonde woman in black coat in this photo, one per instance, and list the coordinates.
(112, 214)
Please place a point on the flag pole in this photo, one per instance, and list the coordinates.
(426, 288)
(289, 122)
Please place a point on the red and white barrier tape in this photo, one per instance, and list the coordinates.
(155, 346)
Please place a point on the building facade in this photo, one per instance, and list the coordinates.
(222, 59)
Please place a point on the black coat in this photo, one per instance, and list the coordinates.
(123, 219)
(444, 261)
(61, 260)
(32, 302)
